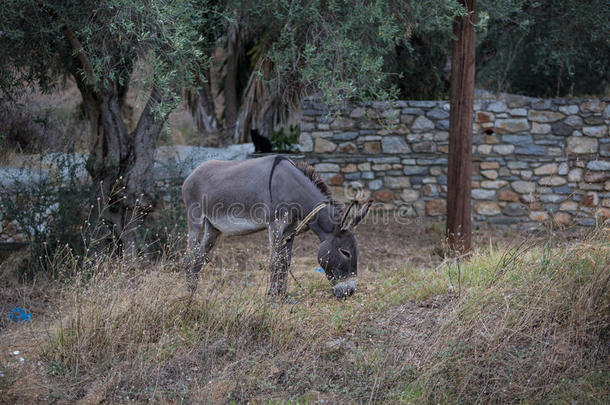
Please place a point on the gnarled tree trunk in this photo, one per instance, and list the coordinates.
(121, 163)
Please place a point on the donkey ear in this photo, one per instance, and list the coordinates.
(346, 214)
(360, 215)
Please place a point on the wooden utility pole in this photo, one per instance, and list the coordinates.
(459, 177)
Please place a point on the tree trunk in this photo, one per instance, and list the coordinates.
(459, 183)
(121, 164)
(230, 87)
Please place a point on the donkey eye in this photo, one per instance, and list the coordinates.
(345, 252)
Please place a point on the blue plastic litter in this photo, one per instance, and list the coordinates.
(18, 314)
(319, 270)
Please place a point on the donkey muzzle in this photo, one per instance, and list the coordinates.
(345, 288)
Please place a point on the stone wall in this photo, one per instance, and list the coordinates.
(533, 159)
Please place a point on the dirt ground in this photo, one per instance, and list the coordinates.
(384, 245)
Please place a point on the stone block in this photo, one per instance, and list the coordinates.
(552, 181)
(422, 124)
(336, 180)
(574, 121)
(544, 116)
(523, 187)
(397, 182)
(327, 167)
(562, 218)
(590, 200)
(305, 142)
(575, 175)
(547, 169)
(373, 147)
(497, 106)
(515, 209)
(495, 184)
(383, 195)
(531, 149)
(484, 116)
(409, 195)
(595, 177)
(489, 174)
(442, 125)
(482, 194)
(487, 208)
(507, 195)
(540, 129)
(349, 168)
(511, 125)
(598, 131)
(415, 170)
(438, 114)
(324, 146)
(504, 149)
(394, 144)
(358, 112)
(569, 109)
(490, 165)
(593, 106)
(599, 165)
(582, 145)
(435, 208)
(345, 136)
(375, 184)
(518, 112)
(561, 129)
(539, 216)
(424, 147)
(366, 166)
(568, 206)
(347, 147)
(342, 123)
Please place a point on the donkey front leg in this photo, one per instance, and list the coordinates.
(280, 261)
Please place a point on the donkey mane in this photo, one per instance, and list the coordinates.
(310, 172)
(312, 175)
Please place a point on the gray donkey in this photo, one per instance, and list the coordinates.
(272, 192)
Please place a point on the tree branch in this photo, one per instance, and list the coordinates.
(72, 40)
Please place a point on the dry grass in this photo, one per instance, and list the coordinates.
(525, 324)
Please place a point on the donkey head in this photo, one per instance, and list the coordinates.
(338, 252)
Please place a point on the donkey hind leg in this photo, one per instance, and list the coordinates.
(281, 255)
(201, 253)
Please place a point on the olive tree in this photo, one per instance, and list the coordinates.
(99, 44)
